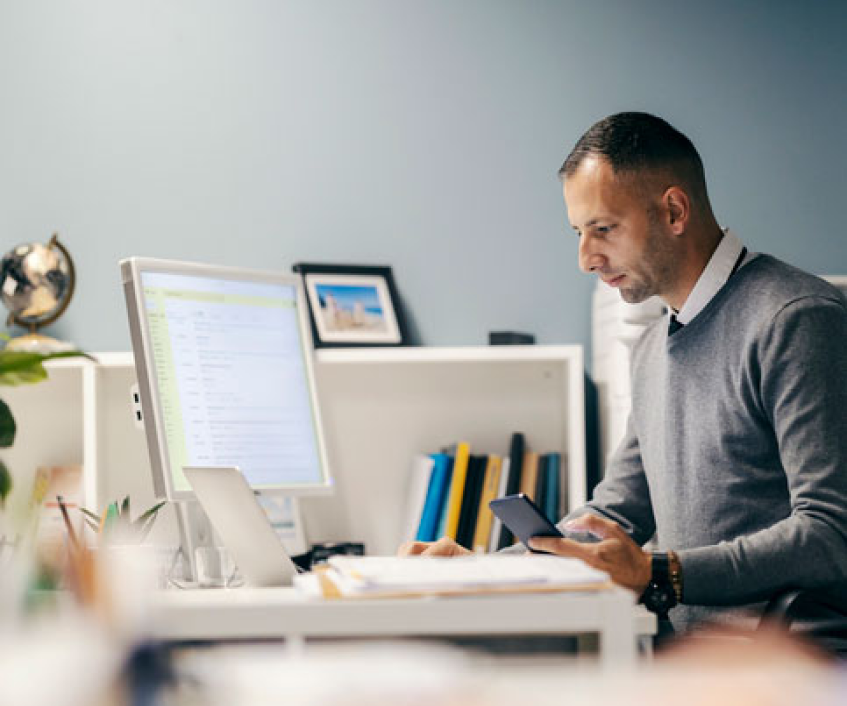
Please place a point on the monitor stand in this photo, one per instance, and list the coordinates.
(196, 531)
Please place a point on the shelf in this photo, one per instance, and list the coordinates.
(458, 354)
(381, 406)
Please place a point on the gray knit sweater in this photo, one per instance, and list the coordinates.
(736, 451)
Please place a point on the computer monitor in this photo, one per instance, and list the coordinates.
(224, 363)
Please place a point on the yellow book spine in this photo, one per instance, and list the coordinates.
(457, 489)
(484, 517)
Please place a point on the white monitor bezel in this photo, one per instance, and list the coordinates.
(131, 270)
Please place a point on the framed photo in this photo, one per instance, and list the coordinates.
(353, 305)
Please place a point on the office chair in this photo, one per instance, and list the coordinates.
(818, 615)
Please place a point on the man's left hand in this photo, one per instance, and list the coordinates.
(616, 553)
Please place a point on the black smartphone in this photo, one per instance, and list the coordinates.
(523, 518)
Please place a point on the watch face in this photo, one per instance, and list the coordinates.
(659, 599)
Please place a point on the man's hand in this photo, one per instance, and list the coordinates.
(443, 547)
(617, 555)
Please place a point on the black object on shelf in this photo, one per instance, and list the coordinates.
(319, 553)
(510, 338)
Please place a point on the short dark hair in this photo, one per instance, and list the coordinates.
(632, 142)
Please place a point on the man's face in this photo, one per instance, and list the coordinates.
(621, 234)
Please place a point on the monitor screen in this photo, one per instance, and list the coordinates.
(223, 357)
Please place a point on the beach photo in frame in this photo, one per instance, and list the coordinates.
(353, 305)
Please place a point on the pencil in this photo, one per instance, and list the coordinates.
(68, 524)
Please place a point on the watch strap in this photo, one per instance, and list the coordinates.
(660, 595)
(675, 569)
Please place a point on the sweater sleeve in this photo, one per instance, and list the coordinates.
(800, 363)
(623, 494)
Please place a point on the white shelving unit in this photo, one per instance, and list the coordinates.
(82, 415)
(380, 407)
(383, 406)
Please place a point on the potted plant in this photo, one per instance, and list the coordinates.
(117, 525)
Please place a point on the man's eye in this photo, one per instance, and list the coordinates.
(603, 230)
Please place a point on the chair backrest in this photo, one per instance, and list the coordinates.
(818, 615)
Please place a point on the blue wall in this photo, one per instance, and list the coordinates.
(421, 134)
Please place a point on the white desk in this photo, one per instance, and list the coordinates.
(257, 613)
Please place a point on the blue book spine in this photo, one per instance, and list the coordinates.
(441, 525)
(433, 510)
(554, 487)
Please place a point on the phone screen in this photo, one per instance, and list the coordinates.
(523, 518)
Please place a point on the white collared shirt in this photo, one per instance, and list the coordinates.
(713, 277)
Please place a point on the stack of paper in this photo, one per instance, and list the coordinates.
(479, 573)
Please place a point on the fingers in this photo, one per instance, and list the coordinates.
(412, 548)
(600, 526)
(443, 547)
(564, 547)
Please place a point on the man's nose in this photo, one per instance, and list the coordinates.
(589, 258)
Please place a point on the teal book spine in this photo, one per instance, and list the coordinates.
(553, 473)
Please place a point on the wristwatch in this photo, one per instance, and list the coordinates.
(660, 595)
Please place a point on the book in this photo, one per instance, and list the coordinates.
(445, 501)
(529, 474)
(457, 489)
(470, 500)
(433, 509)
(420, 479)
(540, 496)
(357, 576)
(516, 453)
(497, 523)
(553, 478)
(484, 516)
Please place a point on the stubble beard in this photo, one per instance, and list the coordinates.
(656, 272)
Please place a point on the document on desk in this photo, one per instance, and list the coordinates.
(364, 577)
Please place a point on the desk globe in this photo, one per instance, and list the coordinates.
(36, 285)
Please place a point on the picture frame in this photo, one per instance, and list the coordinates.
(353, 305)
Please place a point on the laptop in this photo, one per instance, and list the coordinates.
(237, 516)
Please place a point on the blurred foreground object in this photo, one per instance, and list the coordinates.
(725, 648)
(36, 285)
(62, 660)
(17, 368)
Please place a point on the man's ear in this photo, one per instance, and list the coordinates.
(678, 209)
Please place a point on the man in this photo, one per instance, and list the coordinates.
(735, 457)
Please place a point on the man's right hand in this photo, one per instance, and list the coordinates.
(443, 547)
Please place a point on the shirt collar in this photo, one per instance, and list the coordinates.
(713, 277)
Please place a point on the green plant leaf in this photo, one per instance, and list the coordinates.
(150, 514)
(23, 368)
(7, 426)
(90, 515)
(125, 507)
(5, 482)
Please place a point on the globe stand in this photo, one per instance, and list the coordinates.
(37, 343)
